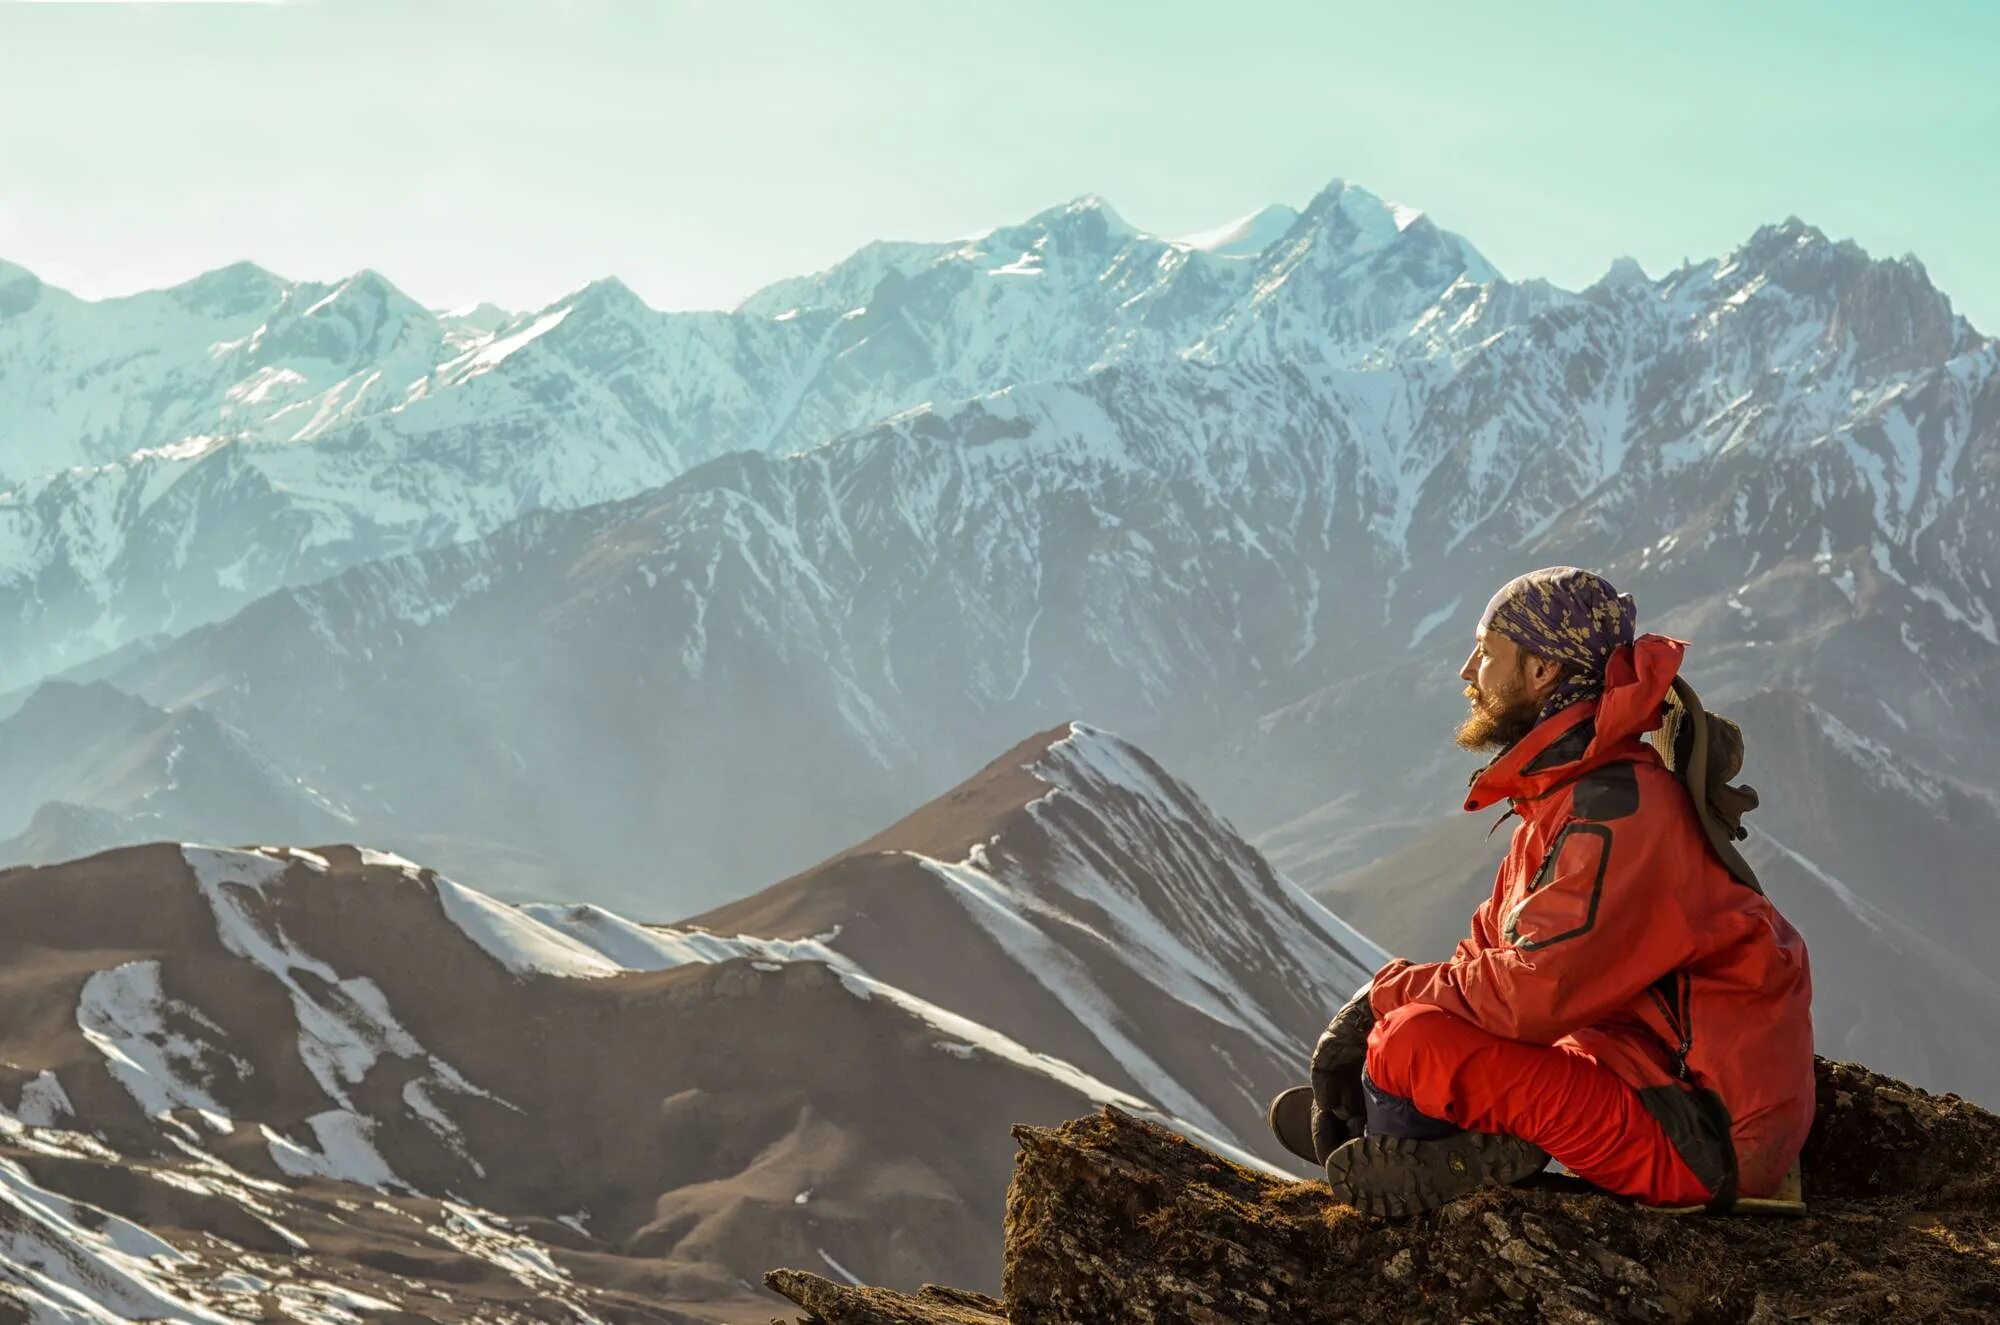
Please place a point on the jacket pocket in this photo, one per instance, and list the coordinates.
(1575, 865)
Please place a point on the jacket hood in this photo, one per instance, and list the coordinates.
(1569, 744)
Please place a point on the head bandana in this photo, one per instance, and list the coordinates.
(1566, 615)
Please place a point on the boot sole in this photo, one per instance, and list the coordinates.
(1290, 1116)
(1396, 1176)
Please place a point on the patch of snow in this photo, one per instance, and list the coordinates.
(1013, 920)
(44, 1102)
(73, 1262)
(124, 1015)
(1246, 236)
(340, 1039)
(838, 1268)
(1433, 620)
(515, 939)
(345, 1024)
(346, 1152)
(1881, 763)
(492, 353)
(478, 1233)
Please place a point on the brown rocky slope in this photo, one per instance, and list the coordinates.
(1112, 1221)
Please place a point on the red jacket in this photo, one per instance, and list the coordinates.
(1613, 925)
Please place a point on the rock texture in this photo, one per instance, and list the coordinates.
(1115, 1220)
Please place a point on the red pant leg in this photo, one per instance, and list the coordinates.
(1557, 1096)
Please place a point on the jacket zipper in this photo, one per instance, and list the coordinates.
(1676, 1016)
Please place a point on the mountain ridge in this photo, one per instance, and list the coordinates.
(333, 1079)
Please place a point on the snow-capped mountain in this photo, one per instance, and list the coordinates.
(333, 1085)
(169, 456)
(1242, 507)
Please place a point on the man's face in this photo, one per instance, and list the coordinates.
(1505, 698)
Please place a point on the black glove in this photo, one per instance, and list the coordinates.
(1339, 1108)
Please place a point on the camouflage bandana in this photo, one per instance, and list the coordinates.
(1566, 615)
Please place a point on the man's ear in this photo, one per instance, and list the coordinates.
(1543, 675)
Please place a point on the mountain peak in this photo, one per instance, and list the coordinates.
(1345, 223)
(1790, 233)
(1366, 213)
(1088, 212)
(1625, 273)
(240, 287)
(608, 294)
(371, 284)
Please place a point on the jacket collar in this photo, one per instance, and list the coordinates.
(1570, 743)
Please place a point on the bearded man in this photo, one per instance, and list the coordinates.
(1626, 1002)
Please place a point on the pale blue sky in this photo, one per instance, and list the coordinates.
(516, 150)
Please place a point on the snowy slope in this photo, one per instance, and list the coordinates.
(1075, 894)
(277, 1071)
(166, 457)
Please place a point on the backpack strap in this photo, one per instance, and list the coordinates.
(1704, 750)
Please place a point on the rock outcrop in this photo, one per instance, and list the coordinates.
(1112, 1220)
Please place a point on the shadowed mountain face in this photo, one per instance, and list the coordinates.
(1243, 508)
(334, 1080)
(83, 767)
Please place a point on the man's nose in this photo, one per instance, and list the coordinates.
(1469, 671)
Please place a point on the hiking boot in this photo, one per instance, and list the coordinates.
(1291, 1119)
(1395, 1175)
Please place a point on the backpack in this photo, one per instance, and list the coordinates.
(1705, 750)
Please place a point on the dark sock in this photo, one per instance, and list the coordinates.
(1392, 1115)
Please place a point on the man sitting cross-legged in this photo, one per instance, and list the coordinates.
(1626, 1001)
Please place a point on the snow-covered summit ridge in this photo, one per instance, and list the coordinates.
(340, 1039)
(167, 457)
(1246, 236)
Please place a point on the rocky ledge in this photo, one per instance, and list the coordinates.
(1112, 1220)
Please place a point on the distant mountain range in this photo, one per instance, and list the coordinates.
(651, 609)
(335, 1086)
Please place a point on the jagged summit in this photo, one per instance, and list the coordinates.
(1112, 1220)
(1366, 212)
(369, 289)
(1625, 273)
(610, 292)
(1089, 209)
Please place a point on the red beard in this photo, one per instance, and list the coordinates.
(1497, 719)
